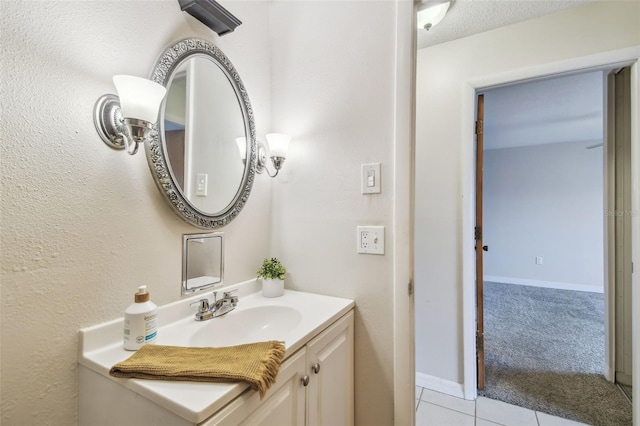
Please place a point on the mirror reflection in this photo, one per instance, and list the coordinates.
(203, 121)
(202, 261)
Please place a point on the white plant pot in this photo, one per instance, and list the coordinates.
(272, 288)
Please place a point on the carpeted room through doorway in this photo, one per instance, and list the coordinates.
(544, 350)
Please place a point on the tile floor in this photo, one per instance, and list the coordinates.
(438, 409)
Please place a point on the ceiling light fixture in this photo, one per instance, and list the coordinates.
(430, 13)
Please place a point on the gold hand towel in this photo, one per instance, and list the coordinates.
(256, 364)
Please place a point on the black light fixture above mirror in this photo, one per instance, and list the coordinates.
(210, 13)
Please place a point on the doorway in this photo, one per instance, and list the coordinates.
(543, 219)
(447, 80)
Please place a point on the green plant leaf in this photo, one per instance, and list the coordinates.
(272, 269)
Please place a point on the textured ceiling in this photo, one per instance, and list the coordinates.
(561, 109)
(468, 17)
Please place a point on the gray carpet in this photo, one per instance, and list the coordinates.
(544, 350)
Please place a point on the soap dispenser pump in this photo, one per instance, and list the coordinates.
(140, 321)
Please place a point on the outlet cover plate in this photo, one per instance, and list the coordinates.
(370, 239)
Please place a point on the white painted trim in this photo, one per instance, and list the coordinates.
(468, 92)
(609, 233)
(470, 367)
(440, 385)
(403, 164)
(609, 372)
(544, 284)
(635, 230)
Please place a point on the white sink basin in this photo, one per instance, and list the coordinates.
(249, 325)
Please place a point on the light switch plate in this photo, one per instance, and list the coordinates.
(202, 180)
(370, 178)
(370, 239)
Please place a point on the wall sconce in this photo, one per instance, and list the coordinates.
(278, 146)
(126, 120)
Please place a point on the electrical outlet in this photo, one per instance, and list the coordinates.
(538, 260)
(370, 239)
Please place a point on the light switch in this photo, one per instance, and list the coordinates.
(371, 178)
(201, 184)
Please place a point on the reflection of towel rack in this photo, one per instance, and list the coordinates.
(594, 146)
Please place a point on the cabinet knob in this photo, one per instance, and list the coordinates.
(316, 368)
(305, 380)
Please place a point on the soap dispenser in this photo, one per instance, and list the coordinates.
(140, 321)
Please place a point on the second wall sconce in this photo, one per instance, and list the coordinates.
(124, 121)
(278, 146)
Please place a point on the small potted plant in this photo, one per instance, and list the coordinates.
(272, 274)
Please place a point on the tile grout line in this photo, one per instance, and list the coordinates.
(475, 411)
(449, 408)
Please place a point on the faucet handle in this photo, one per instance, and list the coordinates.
(232, 299)
(227, 294)
(203, 305)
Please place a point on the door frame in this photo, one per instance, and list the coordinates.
(479, 231)
(403, 177)
(627, 56)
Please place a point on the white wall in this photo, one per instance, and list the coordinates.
(544, 201)
(333, 87)
(444, 153)
(84, 225)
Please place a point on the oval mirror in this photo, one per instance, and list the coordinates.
(203, 155)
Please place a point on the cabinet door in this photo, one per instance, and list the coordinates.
(330, 368)
(283, 405)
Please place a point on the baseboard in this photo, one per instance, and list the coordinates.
(439, 385)
(610, 373)
(545, 284)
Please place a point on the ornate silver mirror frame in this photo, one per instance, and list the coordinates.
(156, 149)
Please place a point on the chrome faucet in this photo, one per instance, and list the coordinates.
(220, 306)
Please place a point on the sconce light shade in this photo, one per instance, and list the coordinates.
(278, 144)
(126, 120)
(242, 147)
(139, 98)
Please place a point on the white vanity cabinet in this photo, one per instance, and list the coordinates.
(330, 391)
(315, 384)
(325, 364)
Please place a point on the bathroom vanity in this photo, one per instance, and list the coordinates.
(314, 385)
